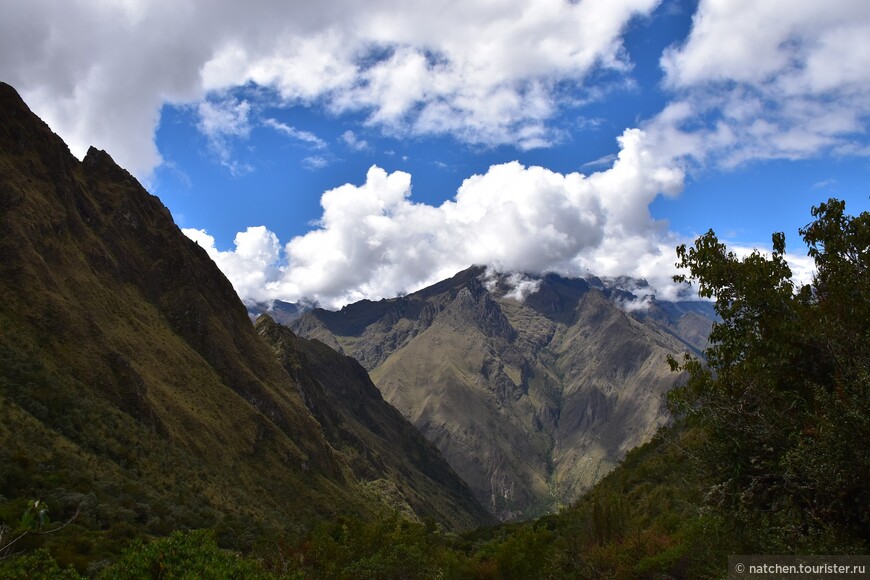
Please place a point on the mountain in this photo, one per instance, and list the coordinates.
(382, 448)
(530, 401)
(135, 390)
(278, 310)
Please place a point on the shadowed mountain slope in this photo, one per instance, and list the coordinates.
(381, 447)
(132, 383)
(531, 402)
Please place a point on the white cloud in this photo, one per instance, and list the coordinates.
(515, 285)
(754, 80)
(223, 121)
(521, 286)
(774, 79)
(227, 118)
(96, 75)
(251, 265)
(629, 305)
(304, 136)
(373, 241)
(315, 162)
(351, 140)
(480, 71)
(779, 78)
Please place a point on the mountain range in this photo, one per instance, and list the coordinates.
(153, 425)
(136, 393)
(135, 389)
(532, 395)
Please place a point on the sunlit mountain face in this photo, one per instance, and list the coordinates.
(533, 388)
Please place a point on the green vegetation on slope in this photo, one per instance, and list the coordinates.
(134, 391)
(132, 386)
(644, 519)
(382, 448)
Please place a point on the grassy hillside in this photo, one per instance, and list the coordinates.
(643, 520)
(132, 383)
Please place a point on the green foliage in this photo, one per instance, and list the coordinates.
(523, 553)
(643, 520)
(784, 394)
(389, 547)
(35, 516)
(608, 519)
(38, 564)
(183, 555)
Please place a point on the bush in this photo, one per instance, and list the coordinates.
(183, 555)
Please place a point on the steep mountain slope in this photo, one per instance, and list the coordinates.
(132, 383)
(382, 447)
(532, 402)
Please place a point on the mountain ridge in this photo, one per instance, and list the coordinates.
(382, 447)
(517, 394)
(133, 386)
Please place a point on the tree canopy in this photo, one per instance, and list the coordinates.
(783, 394)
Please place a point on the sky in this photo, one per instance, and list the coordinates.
(333, 151)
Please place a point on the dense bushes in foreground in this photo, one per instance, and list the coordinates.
(640, 521)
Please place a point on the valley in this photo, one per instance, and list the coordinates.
(532, 401)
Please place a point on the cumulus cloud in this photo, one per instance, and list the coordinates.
(515, 285)
(483, 72)
(773, 79)
(521, 286)
(631, 305)
(753, 80)
(88, 69)
(373, 240)
(251, 265)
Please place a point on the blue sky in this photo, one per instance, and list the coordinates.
(347, 150)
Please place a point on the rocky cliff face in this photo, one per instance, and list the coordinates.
(132, 381)
(531, 402)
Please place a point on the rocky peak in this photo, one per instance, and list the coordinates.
(22, 130)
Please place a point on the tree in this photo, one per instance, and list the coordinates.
(783, 396)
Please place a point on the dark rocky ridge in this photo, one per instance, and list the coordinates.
(379, 444)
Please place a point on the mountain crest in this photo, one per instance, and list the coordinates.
(531, 387)
(127, 362)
